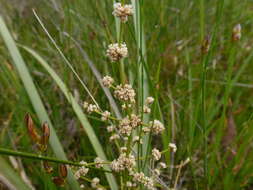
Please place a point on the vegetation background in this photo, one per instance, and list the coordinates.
(209, 120)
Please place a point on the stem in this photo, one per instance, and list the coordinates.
(203, 109)
(177, 177)
(8, 152)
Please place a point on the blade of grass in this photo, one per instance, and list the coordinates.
(142, 59)
(97, 75)
(34, 96)
(9, 175)
(64, 58)
(78, 110)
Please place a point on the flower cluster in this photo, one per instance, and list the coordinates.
(116, 52)
(127, 124)
(90, 107)
(99, 162)
(107, 81)
(148, 102)
(125, 93)
(142, 179)
(156, 154)
(82, 171)
(124, 162)
(95, 182)
(122, 11)
(157, 127)
(122, 133)
(105, 115)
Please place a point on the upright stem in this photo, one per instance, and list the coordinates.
(203, 112)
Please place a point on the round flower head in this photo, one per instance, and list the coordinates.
(107, 81)
(125, 93)
(82, 171)
(99, 162)
(116, 52)
(122, 11)
(157, 127)
(105, 115)
(173, 147)
(156, 154)
(124, 162)
(94, 182)
(146, 181)
(149, 100)
(146, 109)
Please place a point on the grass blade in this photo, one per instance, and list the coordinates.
(78, 110)
(34, 96)
(11, 177)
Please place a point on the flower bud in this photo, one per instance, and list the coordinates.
(59, 181)
(206, 45)
(31, 129)
(47, 167)
(45, 136)
(237, 34)
(63, 171)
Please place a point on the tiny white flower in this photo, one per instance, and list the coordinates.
(173, 147)
(149, 100)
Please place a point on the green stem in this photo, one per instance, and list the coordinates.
(8, 152)
(203, 114)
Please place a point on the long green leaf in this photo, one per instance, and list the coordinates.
(11, 176)
(142, 60)
(34, 96)
(78, 110)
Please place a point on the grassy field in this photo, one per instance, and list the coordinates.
(190, 56)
